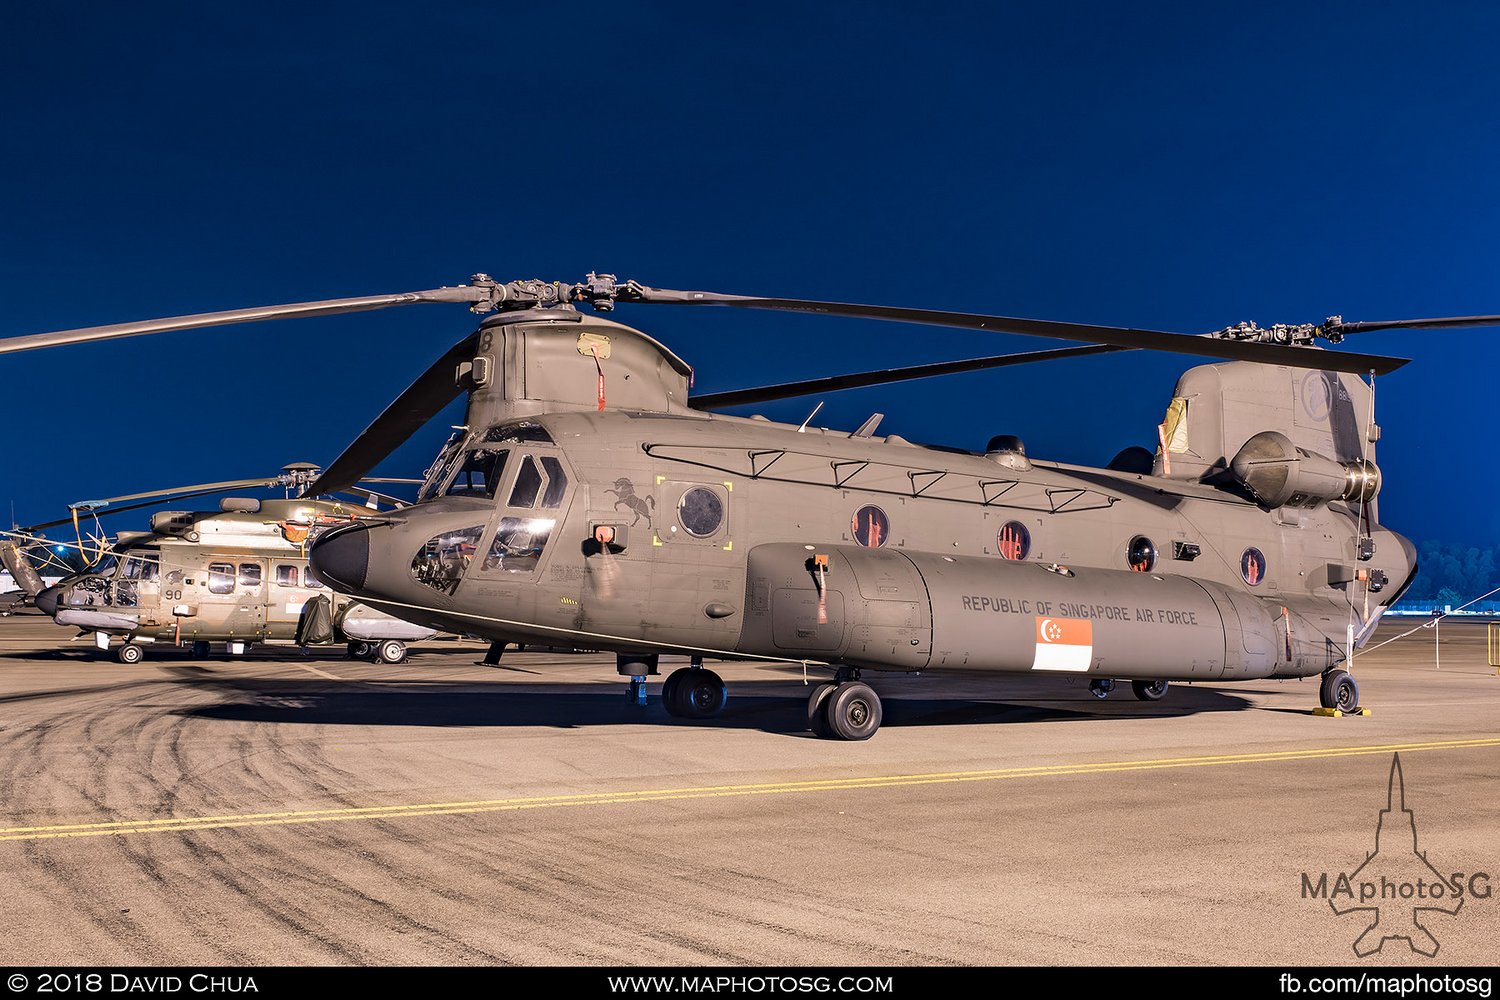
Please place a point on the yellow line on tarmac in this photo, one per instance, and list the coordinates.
(187, 823)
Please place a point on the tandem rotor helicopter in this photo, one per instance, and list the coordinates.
(591, 500)
(237, 575)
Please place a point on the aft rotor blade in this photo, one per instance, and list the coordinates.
(1439, 323)
(1155, 340)
(423, 400)
(324, 307)
(834, 383)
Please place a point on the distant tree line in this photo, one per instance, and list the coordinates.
(1453, 574)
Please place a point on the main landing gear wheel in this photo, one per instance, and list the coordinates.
(1339, 691)
(817, 708)
(1149, 690)
(391, 651)
(852, 711)
(698, 693)
(359, 650)
(1100, 687)
(130, 653)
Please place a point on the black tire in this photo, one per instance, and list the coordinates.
(1100, 687)
(130, 653)
(670, 690)
(817, 708)
(391, 651)
(1339, 691)
(854, 712)
(701, 694)
(1149, 690)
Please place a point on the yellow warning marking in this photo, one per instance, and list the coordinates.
(188, 823)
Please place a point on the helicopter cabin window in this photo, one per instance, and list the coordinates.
(528, 484)
(557, 483)
(518, 544)
(701, 511)
(1141, 554)
(286, 576)
(250, 576)
(442, 561)
(479, 476)
(220, 578)
(518, 434)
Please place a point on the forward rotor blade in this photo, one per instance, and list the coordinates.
(324, 307)
(1155, 340)
(424, 399)
(791, 390)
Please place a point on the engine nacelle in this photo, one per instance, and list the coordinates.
(1280, 474)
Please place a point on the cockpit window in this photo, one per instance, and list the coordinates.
(528, 484)
(518, 434)
(557, 483)
(440, 564)
(518, 544)
(441, 468)
(133, 572)
(480, 474)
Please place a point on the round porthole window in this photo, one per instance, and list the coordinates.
(1253, 566)
(1141, 554)
(870, 526)
(1014, 540)
(701, 511)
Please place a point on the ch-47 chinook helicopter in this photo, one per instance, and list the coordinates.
(237, 575)
(591, 500)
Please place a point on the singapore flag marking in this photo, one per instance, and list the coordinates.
(1064, 644)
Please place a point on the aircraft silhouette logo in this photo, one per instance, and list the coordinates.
(1399, 878)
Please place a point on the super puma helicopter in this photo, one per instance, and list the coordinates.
(237, 575)
(590, 500)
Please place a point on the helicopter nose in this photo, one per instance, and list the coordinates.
(341, 558)
(46, 600)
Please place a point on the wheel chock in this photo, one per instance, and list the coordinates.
(1333, 713)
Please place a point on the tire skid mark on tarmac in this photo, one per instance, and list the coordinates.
(401, 811)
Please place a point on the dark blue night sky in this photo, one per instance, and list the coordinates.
(1165, 166)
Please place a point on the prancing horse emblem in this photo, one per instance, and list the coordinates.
(624, 492)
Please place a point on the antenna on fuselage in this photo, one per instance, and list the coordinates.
(814, 413)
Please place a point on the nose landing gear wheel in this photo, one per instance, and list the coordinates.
(852, 711)
(1149, 690)
(669, 690)
(699, 695)
(130, 653)
(817, 708)
(1339, 691)
(1100, 687)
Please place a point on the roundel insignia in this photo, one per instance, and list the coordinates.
(1316, 396)
(1253, 566)
(870, 527)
